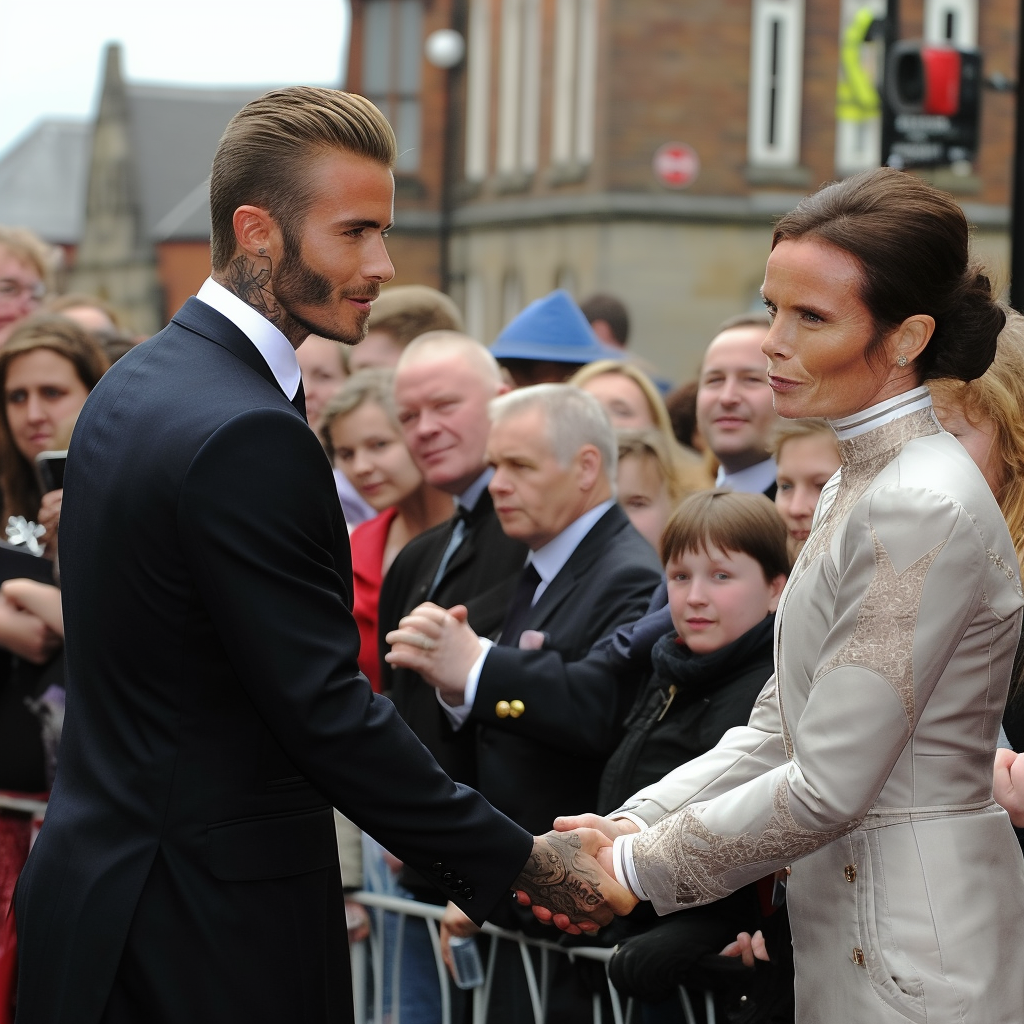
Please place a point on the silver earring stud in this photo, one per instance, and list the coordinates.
(263, 252)
(901, 360)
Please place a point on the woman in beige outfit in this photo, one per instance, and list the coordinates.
(867, 762)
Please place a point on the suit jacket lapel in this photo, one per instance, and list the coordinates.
(201, 319)
(469, 547)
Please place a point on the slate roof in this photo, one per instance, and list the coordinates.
(43, 178)
(174, 129)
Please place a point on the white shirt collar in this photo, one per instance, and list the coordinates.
(275, 348)
(549, 559)
(471, 495)
(752, 480)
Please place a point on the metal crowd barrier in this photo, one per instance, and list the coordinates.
(369, 1005)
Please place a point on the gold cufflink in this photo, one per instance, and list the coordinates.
(516, 708)
(503, 709)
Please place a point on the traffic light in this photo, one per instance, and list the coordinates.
(934, 98)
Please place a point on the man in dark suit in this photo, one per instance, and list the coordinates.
(187, 869)
(443, 383)
(589, 571)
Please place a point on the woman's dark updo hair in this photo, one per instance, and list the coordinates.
(911, 242)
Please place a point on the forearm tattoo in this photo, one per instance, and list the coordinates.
(249, 282)
(559, 877)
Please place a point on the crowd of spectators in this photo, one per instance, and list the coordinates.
(593, 556)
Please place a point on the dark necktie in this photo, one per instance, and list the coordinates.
(519, 609)
(299, 401)
(459, 528)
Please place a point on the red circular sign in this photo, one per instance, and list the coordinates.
(676, 164)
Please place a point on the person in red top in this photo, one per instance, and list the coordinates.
(361, 431)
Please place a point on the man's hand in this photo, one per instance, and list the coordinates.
(439, 645)
(569, 881)
(1008, 784)
(454, 924)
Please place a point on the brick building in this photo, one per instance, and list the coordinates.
(559, 107)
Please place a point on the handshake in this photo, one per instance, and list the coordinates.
(569, 879)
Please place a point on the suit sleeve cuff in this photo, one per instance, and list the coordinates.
(458, 714)
(625, 871)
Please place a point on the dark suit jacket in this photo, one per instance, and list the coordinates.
(525, 767)
(482, 575)
(187, 869)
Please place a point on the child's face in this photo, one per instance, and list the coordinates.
(715, 596)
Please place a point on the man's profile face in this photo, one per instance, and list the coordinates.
(734, 402)
(331, 265)
(535, 497)
(441, 401)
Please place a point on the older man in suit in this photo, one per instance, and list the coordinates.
(187, 869)
(588, 572)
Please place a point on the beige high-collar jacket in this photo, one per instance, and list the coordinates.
(867, 761)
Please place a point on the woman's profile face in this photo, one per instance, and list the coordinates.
(43, 396)
(820, 332)
(623, 399)
(371, 453)
(978, 435)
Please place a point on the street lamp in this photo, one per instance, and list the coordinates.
(445, 49)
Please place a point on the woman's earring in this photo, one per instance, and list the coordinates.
(901, 361)
(263, 252)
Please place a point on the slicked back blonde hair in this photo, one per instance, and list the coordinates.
(263, 155)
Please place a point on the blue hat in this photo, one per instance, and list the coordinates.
(552, 330)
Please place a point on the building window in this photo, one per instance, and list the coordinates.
(519, 88)
(951, 22)
(478, 89)
(572, 121)
(392, 64)
(858, 91)
(776, 82)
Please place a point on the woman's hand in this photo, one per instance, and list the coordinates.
(25, 634)
(611, 827)
(41, 599)
(49, 517)
(1008, 784)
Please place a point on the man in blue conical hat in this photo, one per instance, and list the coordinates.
(548, 342)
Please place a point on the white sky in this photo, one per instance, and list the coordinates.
(51, 51)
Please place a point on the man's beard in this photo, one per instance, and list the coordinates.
(296, 283)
